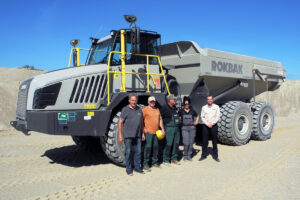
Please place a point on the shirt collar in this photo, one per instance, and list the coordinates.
(136, 108)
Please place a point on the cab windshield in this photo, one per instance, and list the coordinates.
(148, 45)
(101, 51)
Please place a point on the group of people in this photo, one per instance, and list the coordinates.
(136, 125)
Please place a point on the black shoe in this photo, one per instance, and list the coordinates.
(129, 173)
(156, 165)
(147, 168)
(217, 159)
(139, 171)
(202, 158)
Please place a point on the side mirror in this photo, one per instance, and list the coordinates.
(130, 18)
(74, 43)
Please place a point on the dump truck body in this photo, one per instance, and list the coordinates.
(219, 71)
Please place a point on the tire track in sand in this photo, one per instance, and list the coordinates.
(93, 190)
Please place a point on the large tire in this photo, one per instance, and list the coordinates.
(235, 125)
(110, 144)
(263, 121)
(86, 142)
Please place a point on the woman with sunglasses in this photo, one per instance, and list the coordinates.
(189, 119)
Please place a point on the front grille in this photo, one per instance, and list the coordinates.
(22, 100)
(46, 96)
(88, 89)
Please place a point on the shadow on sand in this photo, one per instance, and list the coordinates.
(73, 156)
(76, 157)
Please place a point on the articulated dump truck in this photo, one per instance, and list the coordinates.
(84, 101)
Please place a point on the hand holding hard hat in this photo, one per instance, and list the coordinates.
(160, 134)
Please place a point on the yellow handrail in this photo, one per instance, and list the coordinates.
(148, 88)
(123, 57)
(123, 72)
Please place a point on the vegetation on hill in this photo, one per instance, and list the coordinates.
(29, 67)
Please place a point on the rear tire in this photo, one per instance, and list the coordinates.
(263, 121)
(235, 125)
(110, 144)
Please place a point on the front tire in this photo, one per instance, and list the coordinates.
(110, 144)
(263, 121)
(235, 125)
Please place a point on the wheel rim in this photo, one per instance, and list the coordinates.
(242, 124)
(266, 121)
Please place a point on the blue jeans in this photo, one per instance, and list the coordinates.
(134, 144)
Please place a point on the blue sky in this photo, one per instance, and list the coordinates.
(37, 32)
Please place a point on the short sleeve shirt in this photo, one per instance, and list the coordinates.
(132, 125)
(151, 119)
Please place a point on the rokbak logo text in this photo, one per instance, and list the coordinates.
(226, 67)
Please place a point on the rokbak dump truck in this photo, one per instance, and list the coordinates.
(84, 101)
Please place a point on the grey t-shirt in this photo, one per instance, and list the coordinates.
(132, 125)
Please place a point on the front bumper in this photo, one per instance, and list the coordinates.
(80, 123)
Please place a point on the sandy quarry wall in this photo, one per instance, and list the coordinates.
(285, 100)
(10, 80)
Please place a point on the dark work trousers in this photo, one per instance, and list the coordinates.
(172, 143)
(205, 135)
(188, 137)
(151, 145)
(133, 145)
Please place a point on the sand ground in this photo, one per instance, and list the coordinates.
(51, 167)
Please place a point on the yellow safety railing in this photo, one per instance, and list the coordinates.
(137, 73)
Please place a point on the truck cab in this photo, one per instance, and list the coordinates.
(146, 44)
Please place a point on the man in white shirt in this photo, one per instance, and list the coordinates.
(210, 115)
